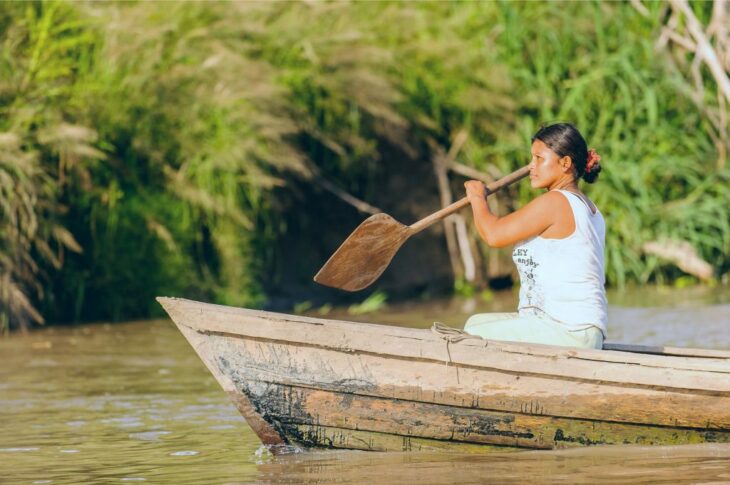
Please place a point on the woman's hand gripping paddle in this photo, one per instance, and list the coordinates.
(365, 254)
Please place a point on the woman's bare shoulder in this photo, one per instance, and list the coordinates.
(550, 201)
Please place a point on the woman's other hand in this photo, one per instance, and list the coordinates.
(475, 190)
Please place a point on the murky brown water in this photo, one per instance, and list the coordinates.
(132, 402)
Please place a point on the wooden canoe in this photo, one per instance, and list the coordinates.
(311, 382)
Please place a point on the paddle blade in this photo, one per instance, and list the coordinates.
(365, 254)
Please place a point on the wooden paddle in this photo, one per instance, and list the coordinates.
(365, 254)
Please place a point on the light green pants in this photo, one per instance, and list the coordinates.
(532, 329)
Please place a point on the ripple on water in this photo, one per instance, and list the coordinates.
(124, 421)
(184, 453)
(149, 435)
(221, 426)
(18, 450)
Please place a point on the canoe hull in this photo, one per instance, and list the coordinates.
(321, 383)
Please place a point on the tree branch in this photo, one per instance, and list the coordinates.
(704, 48)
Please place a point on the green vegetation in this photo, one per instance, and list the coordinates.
(147, 148)
(373, 303)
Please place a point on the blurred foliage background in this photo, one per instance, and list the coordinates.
(168, 148)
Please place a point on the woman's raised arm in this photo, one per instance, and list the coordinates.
(529, 221)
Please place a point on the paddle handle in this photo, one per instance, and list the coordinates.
(419, 226)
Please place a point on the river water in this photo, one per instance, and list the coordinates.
(131, 402)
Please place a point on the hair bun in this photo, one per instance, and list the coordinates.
(592, 160)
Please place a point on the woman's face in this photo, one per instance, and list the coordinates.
(545, 167)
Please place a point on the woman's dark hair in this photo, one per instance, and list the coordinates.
(565, 140)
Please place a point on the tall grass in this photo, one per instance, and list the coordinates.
(41, 150)
(147, 148)
(594, 64)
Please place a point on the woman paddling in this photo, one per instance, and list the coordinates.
(559, 244)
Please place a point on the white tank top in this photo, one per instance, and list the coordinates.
(564, 279)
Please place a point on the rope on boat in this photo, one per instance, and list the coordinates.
(452, 335)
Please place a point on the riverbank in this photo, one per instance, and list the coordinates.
(222, 151)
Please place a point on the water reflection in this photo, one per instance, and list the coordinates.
(679, 464)
(90, 405)
(132, 402)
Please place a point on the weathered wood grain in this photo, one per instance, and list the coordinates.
(317, 436)
(375, 375)
(684, 374)
(290, 374)
(290, 405)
